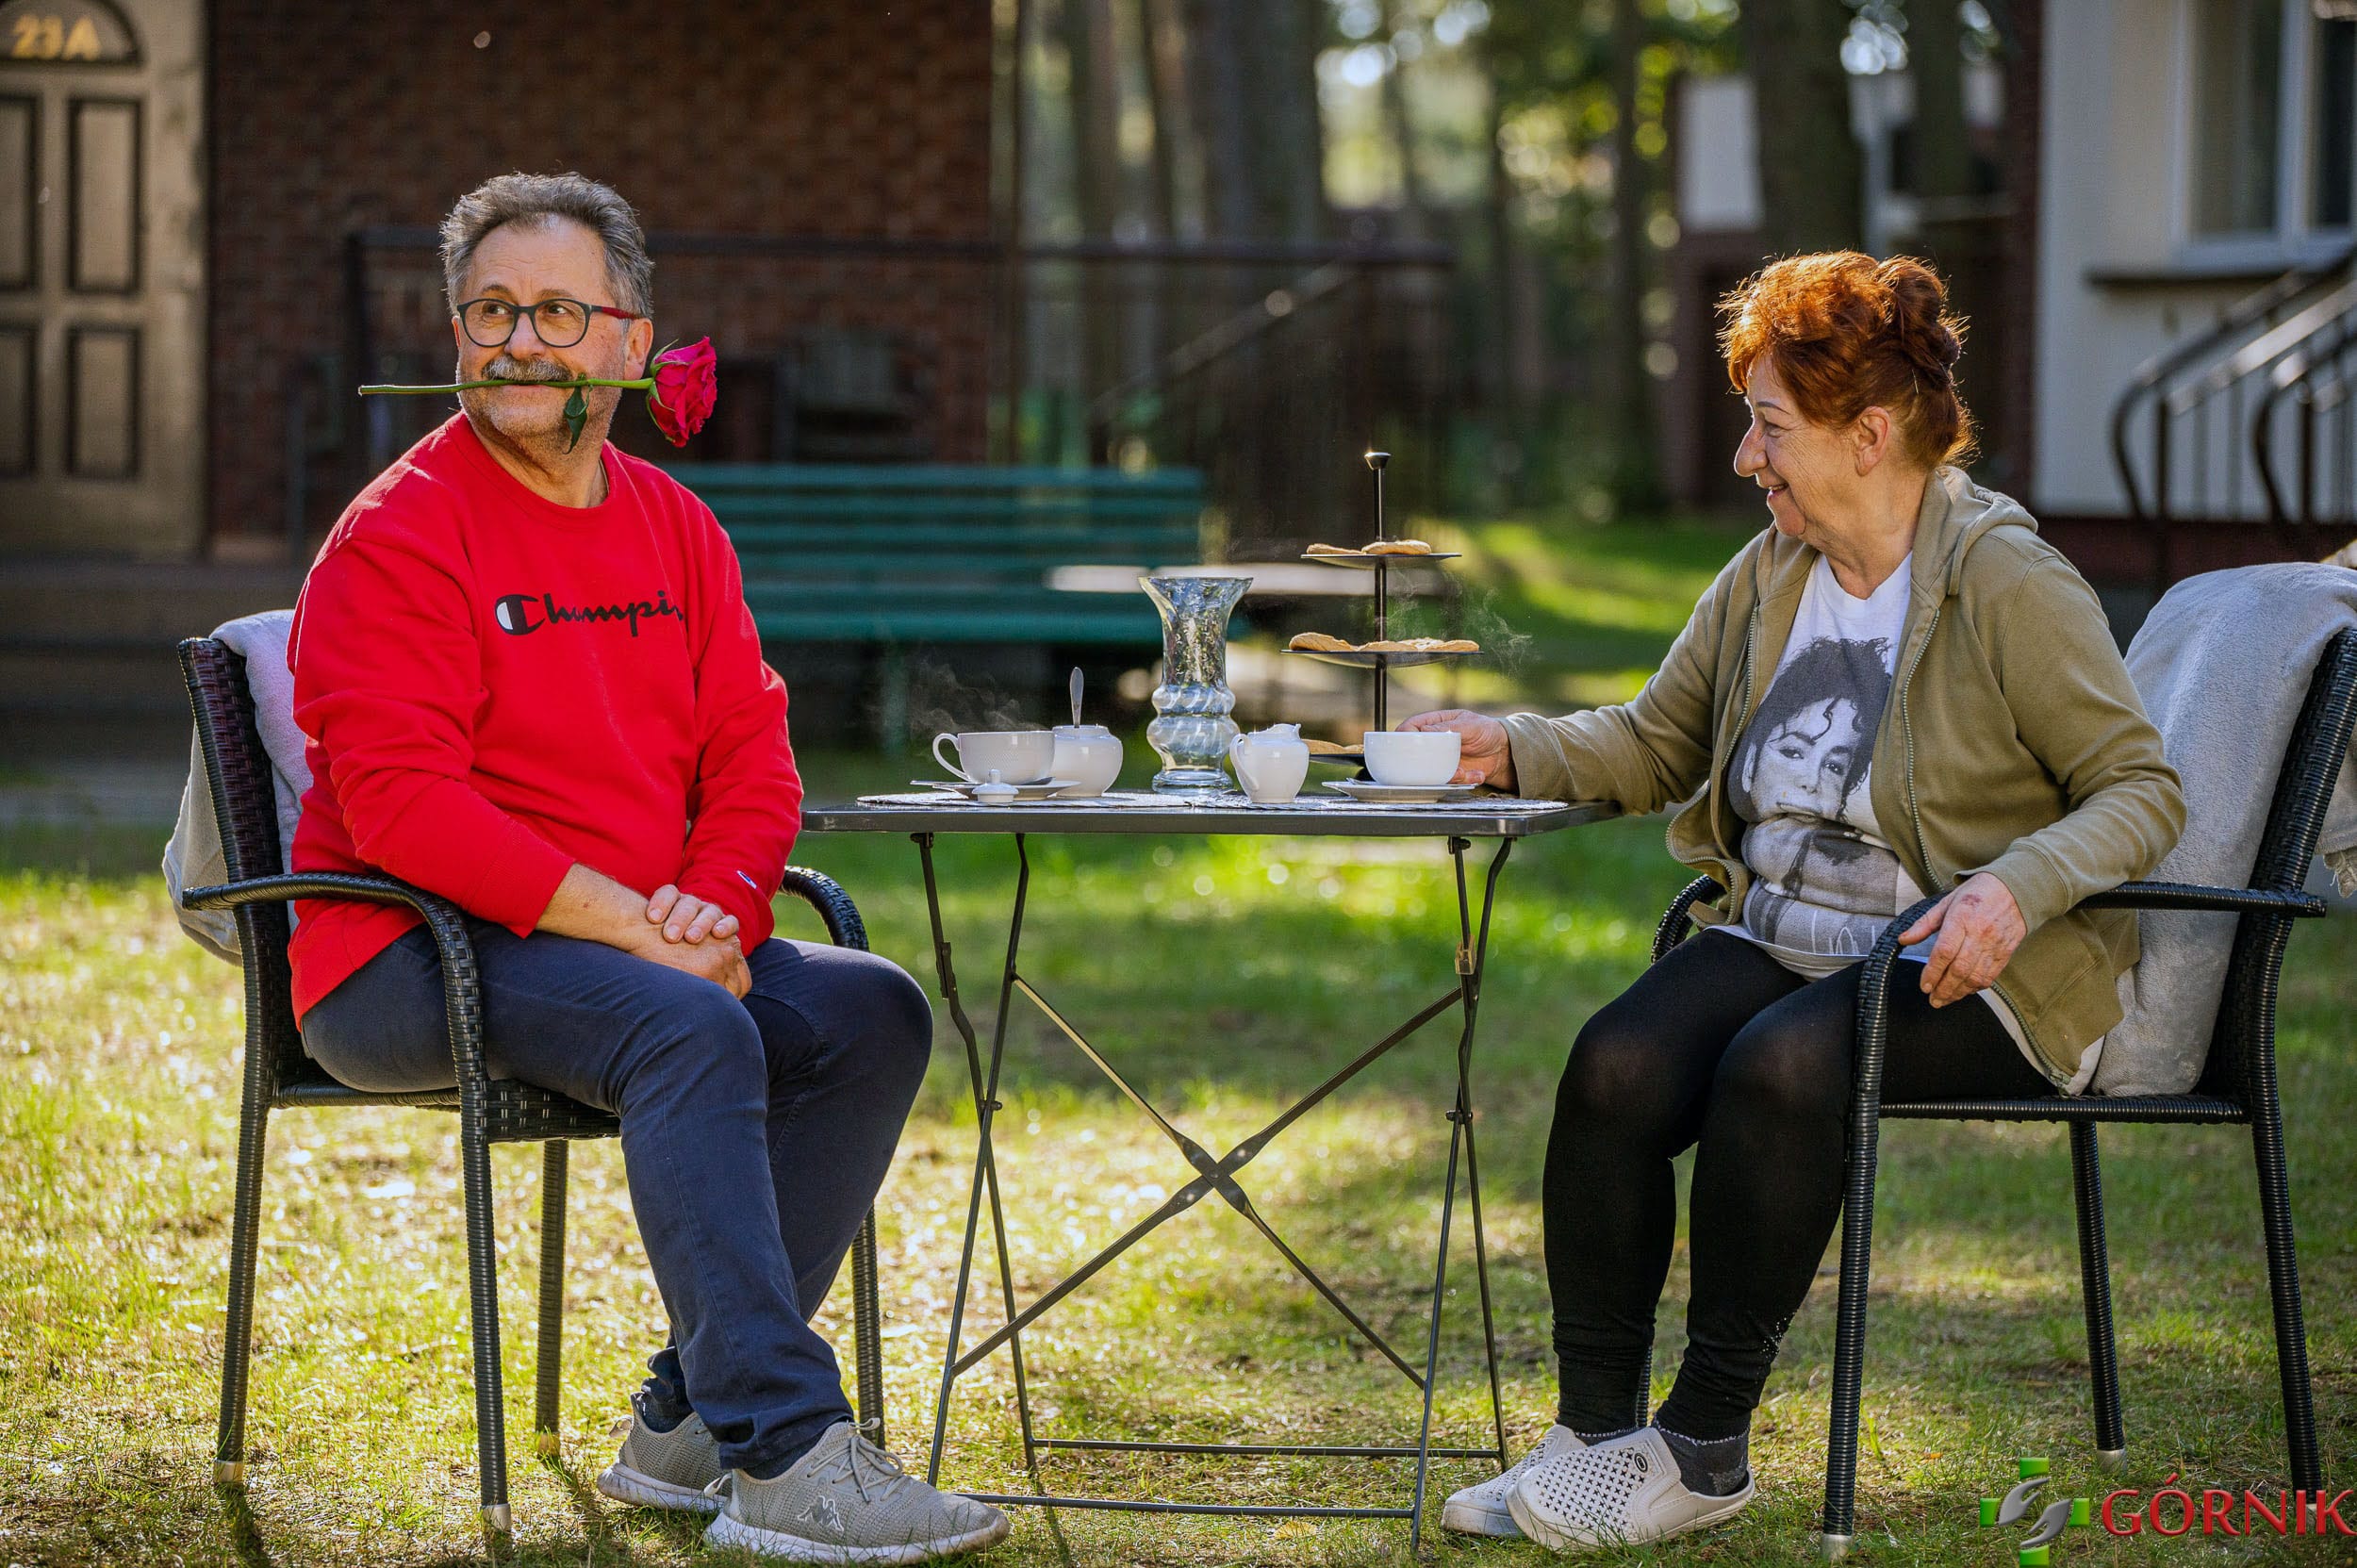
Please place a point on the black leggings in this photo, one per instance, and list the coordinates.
(1720, 1044)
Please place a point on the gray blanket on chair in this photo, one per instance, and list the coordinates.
(194, 856)
(2223, 664)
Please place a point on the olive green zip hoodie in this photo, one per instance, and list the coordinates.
(2014, 744)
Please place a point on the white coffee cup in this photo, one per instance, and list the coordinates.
(1423, 758)
(1090, 756)
(1020, 756)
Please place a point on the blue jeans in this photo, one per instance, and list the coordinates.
(755, 1134)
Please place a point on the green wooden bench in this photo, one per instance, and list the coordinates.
(947, 554)
(935, 553)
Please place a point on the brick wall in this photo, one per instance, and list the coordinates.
(844, 118)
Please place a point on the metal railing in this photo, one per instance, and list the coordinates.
(1265, 363)
(2307, 464)
(2194, 433)
(1274, 401)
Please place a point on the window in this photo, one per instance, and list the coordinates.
(2333, 96)
(2271, 133)
(2237, 73)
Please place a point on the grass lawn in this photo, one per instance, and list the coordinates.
(1226, 975)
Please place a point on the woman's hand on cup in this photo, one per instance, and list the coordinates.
(1487, 757)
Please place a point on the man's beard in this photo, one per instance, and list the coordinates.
(506, 367)
(534, 427)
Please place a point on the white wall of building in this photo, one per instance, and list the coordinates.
(1718, 171)
(2111, 202)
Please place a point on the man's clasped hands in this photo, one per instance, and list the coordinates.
(668, 927)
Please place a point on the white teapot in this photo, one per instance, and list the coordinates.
(1270, 764)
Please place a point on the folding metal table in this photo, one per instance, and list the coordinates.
(924, 816)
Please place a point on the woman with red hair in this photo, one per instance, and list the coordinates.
(1896, 691)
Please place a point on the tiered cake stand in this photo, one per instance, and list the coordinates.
(1380, 564)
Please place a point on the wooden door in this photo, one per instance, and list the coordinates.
(102, 278)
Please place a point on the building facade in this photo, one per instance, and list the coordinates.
(2206, 149)
(2165, 345)
(216, 219)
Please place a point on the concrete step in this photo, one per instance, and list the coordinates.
(142, 602)
(86, 638)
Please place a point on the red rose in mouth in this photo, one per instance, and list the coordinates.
(686, 387)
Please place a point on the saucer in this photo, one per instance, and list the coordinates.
(1040, 789)
(1400, 795)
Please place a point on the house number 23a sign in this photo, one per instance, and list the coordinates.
(66, 32)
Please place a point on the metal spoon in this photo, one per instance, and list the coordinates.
(1076, 696)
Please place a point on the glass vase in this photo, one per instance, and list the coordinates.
(1191, 728)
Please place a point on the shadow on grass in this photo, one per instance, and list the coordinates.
(588, 1504)
(1268, 959)
(245, 1532)
(1976, 1326)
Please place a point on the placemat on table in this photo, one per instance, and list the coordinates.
(1136, 800)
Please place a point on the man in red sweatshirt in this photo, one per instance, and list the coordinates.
(529, 683)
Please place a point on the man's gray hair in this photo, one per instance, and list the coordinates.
(537, 198)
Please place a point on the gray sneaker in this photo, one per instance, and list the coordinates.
(665, 1469)
(849, 1501)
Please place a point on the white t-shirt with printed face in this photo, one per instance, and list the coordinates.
(1825, 879)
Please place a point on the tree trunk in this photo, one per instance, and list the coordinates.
(1633, 464)
(1093, 97)
(1218, 91)
(1252, 80)
(1943, 149)
(1290, 157)
(1509, 346)
(1414, 222)
(1163, 46)
(1811, 175)
(1014, 280)
(2022, 27)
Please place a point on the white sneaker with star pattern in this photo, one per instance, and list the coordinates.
(1623, 1491)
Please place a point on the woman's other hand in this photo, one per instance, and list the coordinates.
(1979, 927)
(1486, 757)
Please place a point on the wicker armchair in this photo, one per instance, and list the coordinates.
(2237, 1084)
(489, 1111)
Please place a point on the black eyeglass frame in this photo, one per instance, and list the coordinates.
(587, 311)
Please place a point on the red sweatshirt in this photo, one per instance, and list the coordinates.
(493, 686)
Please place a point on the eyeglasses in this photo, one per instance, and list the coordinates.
(558, 323)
